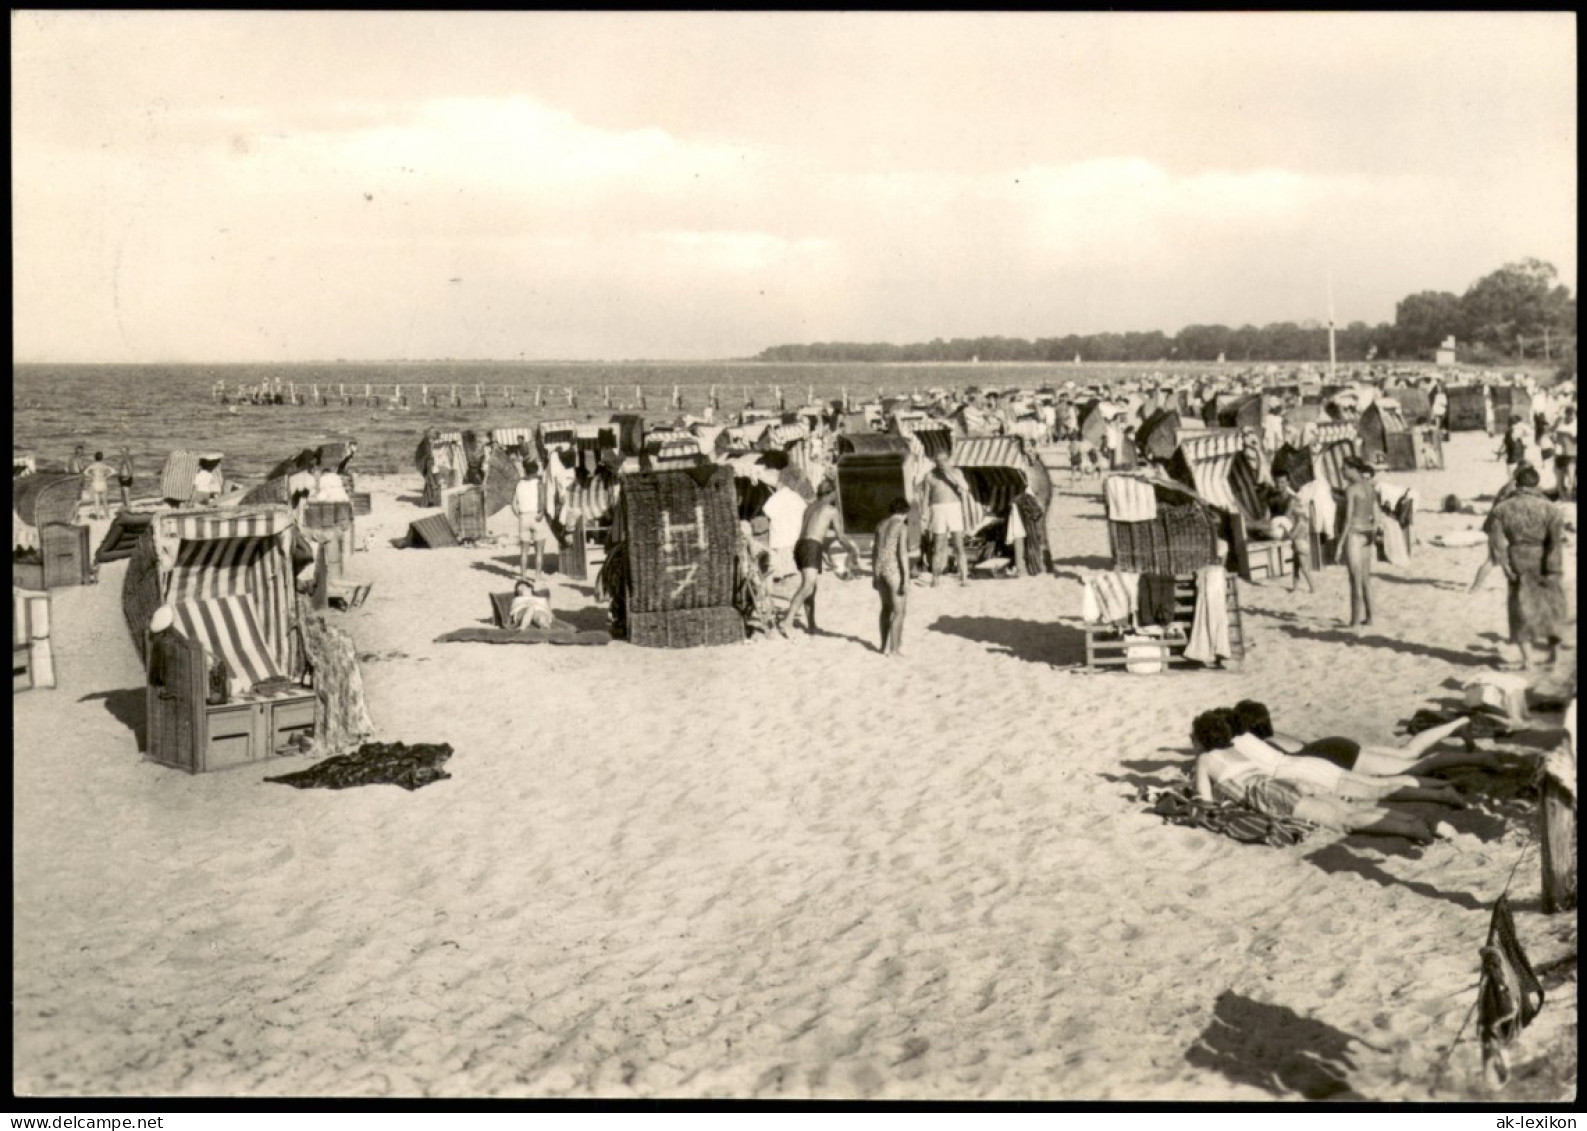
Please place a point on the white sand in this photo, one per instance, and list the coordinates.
(786, 869)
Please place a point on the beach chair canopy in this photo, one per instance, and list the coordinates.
(872, 444)
(783, 436)
(521, 438)
(1337, 442)
(228, 576)
(873, 470)
(1221, 469)
(550, 433)
(1511, 400)
(45, 497)
(1158, 435)
(288, 466)
(1415, 405)
(181, 467)
(1000, 468)
(1094, 420)
(501, 479)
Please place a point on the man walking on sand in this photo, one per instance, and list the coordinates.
(822, 523)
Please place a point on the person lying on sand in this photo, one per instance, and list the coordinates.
(1255, 775)
(528, 608)
(1414, 758)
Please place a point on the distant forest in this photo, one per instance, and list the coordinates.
(1519, 312)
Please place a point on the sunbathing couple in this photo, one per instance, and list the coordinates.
(1334, 782)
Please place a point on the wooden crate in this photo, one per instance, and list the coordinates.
(361, 503)
(64, 553)
(1107, 648)
(1270, 559)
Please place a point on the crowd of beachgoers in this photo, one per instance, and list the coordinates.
(802, 870)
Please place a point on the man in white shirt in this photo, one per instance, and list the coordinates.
(528, 504)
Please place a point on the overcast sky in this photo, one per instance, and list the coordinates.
(287, 186)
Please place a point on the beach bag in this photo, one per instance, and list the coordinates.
(1143, 651)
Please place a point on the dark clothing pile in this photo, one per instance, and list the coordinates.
(375, 763)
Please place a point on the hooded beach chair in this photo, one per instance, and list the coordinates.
(228, 578)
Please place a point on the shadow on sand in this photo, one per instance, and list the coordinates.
(1038, 642)
(1404, 647)
(1276, 1049)
(1338, 857)
(130, 708)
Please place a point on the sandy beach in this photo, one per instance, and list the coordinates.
(785, 869)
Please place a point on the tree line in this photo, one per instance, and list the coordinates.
(1520, 311)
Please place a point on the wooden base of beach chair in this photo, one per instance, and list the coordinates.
(1109, 649)
(21, 668)
(347, 594)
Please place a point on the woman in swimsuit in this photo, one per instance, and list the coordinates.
(890, 565)
(1361, 528)
(1256, 776)
(1416, 757)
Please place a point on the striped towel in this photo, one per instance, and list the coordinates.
(227, 627)
(1116, 596)
(1128, 499)
(1234, 821)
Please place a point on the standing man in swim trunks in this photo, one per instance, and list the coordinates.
(1361, 530)
(822, 523)
(124, 478)
(944, 489)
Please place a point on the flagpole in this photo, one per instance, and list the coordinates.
(1332, 357)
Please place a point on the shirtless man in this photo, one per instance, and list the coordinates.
(944, 489)
(822, 523)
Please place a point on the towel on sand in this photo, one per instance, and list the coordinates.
(1235, 821)
(560, 632)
